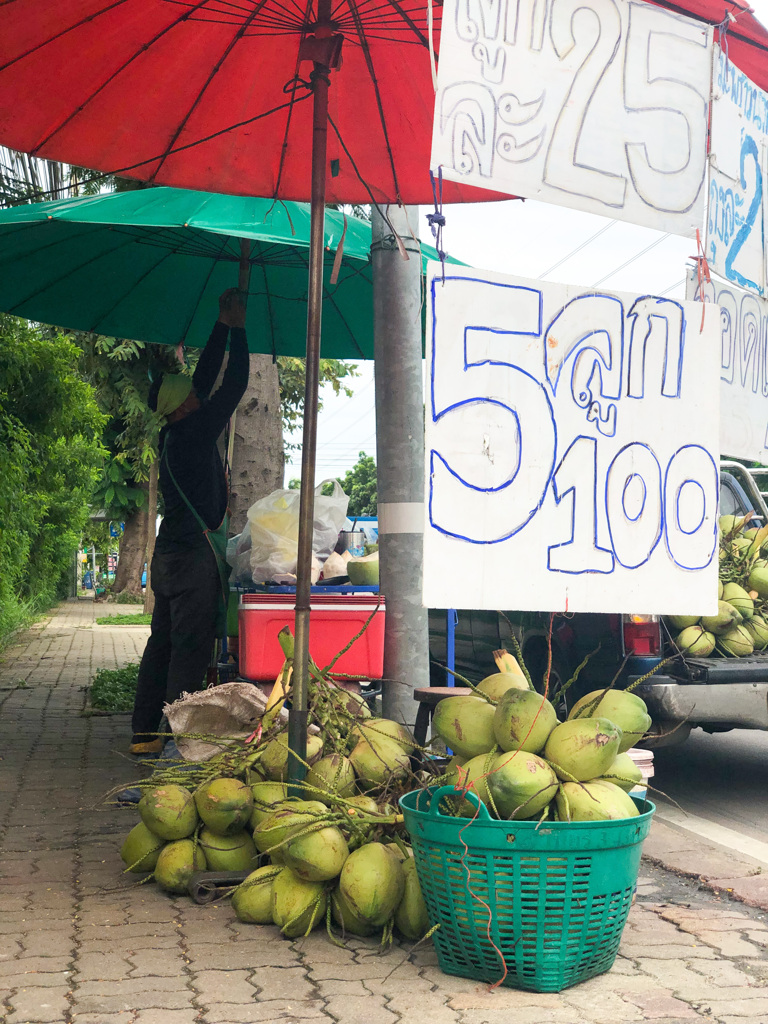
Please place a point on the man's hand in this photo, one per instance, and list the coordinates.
(232, 308)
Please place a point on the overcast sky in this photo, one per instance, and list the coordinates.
(527, 239)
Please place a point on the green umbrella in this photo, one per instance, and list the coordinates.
(150, 264)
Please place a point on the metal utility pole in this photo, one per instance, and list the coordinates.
(400, 455)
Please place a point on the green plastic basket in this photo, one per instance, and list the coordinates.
(554, 897)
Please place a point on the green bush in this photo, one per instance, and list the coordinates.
(114, 689)
(50, 451)
(124, 597)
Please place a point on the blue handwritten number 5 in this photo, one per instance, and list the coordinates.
(749, 148)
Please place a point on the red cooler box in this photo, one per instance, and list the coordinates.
(333, 620)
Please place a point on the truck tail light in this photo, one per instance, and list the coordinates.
(641, 635)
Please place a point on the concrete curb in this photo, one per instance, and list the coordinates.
(716, 867)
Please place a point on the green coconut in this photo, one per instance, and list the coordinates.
(465, 724)
(375, 764)
(274, 760)
(740, 599)
(375, 729)
(496, 685)
(737, 642)
(594, 801)
(757, 628)
(623, 773)
(366, 803)
(626, 710)
(252, 899)
(696, 641)
(141, 849)
(270, 835)
(225, 805)
(521, 784)
(471, 775)
(372, 883)
(523, 720)
(364, 572)
(682, 621)
(266, 795)
(346, 918)
(356, 705)
(333, 774)
(297, 906)
(583, 748)
(318, 856)
(720, 588)
(169, 812)
(758, 580)
(411, 916)
(727, 616)
(728, 524)
(228, 853)
(176, 864)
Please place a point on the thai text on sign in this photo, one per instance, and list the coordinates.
(569, 435)
(601, 105)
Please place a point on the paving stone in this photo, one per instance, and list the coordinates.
(525, 1015)
(661, 1003)
(140, 1000)
(730, 944)
(354, 1009)
(150, 963)
(282, 983)
(41, 980)
(223, 986)
(103, 1018)
(328, 989)
(756, 1008)
(34, 965)
(128, 987)
(46, 943)
(190, 1016)
(286, 1012)
(231, 955)
(36, 1006)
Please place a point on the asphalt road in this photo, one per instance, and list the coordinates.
(722, 778)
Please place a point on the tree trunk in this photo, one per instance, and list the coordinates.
(149, 594)
(257, 460)
(133, 545)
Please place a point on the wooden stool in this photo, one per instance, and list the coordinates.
(429, 697)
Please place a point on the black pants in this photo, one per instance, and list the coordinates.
(186, 587)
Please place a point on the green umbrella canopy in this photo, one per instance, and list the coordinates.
(150, 264)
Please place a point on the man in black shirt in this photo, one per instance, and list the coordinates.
(185, 573)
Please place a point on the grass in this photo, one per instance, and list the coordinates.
(15, 615)
(114, 689)
(135, 619)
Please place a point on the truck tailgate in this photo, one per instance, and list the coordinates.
(714, 671)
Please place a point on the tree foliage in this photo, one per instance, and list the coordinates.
(50, 451)
(360, 484)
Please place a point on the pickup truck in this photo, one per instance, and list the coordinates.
(714, 694)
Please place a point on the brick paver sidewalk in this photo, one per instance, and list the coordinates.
(78, 947)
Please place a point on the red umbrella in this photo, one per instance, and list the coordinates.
(215, 95)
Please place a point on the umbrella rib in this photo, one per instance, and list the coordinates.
(284, 147)
(404, 15)
(269, 309)
(202, 290)
(58, 35)
(369, 64)
(214, 71)
(71, 270)
(74, 113)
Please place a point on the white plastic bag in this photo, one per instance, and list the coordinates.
(274, 528)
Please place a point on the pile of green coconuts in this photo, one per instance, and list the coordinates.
(334, 851)
(740, 626)
(514, 754)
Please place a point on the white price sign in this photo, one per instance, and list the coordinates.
(601, 105)
(737, 193)
(572, 449)
(743, 321)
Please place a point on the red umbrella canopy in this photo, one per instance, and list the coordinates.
(213, 94)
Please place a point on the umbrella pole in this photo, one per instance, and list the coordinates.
(297, 723)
